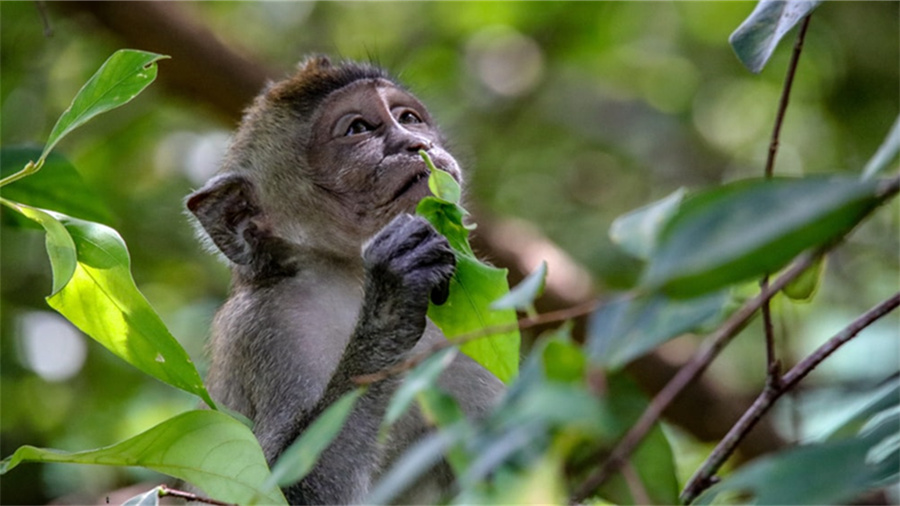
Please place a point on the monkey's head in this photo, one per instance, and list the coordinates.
(322, 160)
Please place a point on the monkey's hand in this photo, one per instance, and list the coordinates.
(405, 263)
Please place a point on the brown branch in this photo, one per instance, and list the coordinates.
(693, 368)
(524, 323)
(773, 367)
(189, 496)
(702, 478)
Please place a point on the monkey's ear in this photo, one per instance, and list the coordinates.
(229, 211)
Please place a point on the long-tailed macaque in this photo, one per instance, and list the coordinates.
(331, 273)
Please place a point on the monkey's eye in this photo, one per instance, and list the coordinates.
(358, 126)
(409, 118)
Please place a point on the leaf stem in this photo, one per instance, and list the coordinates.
(189, 496)
(702, 479)
(30, 168)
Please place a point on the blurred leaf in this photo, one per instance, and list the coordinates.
(499, 448)
(748, 228)
(542, 483)
(440, 409)
(637, 232)
(148, 498)
(102, 300)
(626, 328)
(886, 398)
(523, 295)
(756, 38)
(205, 448)
(886, 153)
(827, 473)
(421, 378)
(472, 289)
(564, 361)
(121, 78)
(60, 246)
(57, 186)
(805, 285)
(298, 459)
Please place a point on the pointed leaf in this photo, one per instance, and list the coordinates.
(637, 232)
(756, 38)
(102, 300)
(57, 186)
(423, 377)
(886, 153)
(60, 246)
(299, 458)
(522, 296)
(121, 78)
(745, 229)
(206, 448)
(441, 183)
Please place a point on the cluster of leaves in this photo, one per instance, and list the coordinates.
(567, 407)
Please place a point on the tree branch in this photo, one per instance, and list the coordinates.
(702, 478)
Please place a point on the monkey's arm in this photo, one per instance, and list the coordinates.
(403, 264)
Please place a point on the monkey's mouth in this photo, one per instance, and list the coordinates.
(411, 183)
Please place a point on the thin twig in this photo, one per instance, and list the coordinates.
(766, 399)
(773, 367)
(690, 371)
(164, 491)
(45, 20)
(524, 323)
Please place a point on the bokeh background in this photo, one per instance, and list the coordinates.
(566, 115)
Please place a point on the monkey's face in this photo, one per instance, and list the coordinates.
(363, 154)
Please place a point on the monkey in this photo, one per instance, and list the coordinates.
(331, 272)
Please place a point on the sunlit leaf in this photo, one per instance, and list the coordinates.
(637, 232)
(627, 328)
(756, 38)
(441, 183)
(804, 286)
(886, 153)
(424, 376)
(748, 228)
(205, 448)
(102, 300)
(60, 246)
(832, 472)
(121, 78)
(57, 186)
(523, 295)
(473, 288)
(298, 459)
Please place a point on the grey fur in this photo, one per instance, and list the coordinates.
(295, 204)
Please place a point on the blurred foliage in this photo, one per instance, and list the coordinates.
(566, 115)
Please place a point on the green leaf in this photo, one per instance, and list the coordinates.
(421, 378)
(827, 473)
(299, 458)
(60, 246)
(636, 232)
(745, 229)
(441, 183)
(473, 288)
(627, 328)
(102, 300)
(121, 78)
(206, 448)
(564, 361)
(523, 295)
(885, 399)
(804, 286)
(440, 409)
(57, 186)
(885, 154)
(756, 38)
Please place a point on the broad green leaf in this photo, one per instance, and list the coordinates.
(745, 229)
(626, 328)
(299, 458)
(121, 78)
(206, 448)
(148, 498)
(832, 472)
(805, 285)
(756, 38)
(57, 186)
(523, 295)
(60, 246)
(886, 153)
(424, 376)
(102, 300)
(637, 232)
(472, 289)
